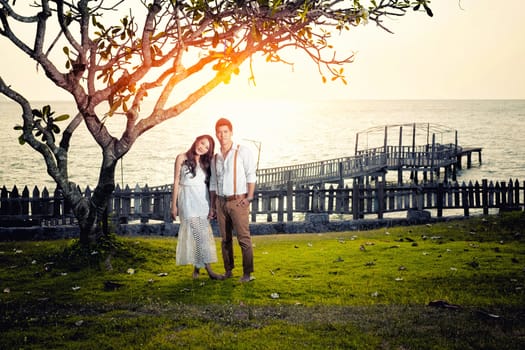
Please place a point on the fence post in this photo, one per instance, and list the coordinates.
(157, 204)
(510, 194)
(439, 200)
(503, 194)
(517, 193)
(14, 202)
(464, 199)
(484, 197)
(24, 204)
(280, 207)
(267, 204)
(477, 195)
(166, 203)
(355, 201)
(36, 205)
(380, 199)
(3, 201)
(289, 201)
(331, 196)
(145, 209)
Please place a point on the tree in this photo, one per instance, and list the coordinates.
(113, 54)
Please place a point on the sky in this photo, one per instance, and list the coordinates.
(470, 49)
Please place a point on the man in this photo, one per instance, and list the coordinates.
(232, 187)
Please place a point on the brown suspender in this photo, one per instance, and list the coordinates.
(234, 171)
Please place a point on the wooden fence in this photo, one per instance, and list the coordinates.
(290, 204)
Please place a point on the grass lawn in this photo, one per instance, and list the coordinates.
(453, 285)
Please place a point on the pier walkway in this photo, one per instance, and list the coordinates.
(374, 162)
(428, 159)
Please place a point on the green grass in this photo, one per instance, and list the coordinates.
(345, 290)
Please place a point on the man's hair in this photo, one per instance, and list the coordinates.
(223, 122)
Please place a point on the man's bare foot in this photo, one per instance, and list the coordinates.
(246, 278)
(195, 274)
(228, 274)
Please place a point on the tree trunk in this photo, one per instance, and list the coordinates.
(91, 213)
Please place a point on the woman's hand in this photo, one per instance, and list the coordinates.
(174, 212)
(212, 214)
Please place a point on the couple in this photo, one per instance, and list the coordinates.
(206, 186)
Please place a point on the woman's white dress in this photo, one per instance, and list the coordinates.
(196, 244)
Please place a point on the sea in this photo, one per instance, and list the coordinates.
(281, 133)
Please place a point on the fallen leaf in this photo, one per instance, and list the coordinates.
(111, 285)
(487, 314)
(444, 304)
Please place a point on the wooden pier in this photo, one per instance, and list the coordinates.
(467, 152)
(428, 160)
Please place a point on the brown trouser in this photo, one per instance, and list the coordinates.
(232, 216)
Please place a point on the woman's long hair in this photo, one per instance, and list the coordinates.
(204, 160)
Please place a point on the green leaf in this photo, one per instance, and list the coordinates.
(66, 50)
(428, 10)
(56, 129)
(18, 127)
(46, 110)
(37, 113)
(21, 140)
(62, 117)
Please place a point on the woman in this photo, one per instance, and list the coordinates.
(191, 202)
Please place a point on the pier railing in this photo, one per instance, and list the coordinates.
(365, 162)
(144, 204)
(325, 171)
